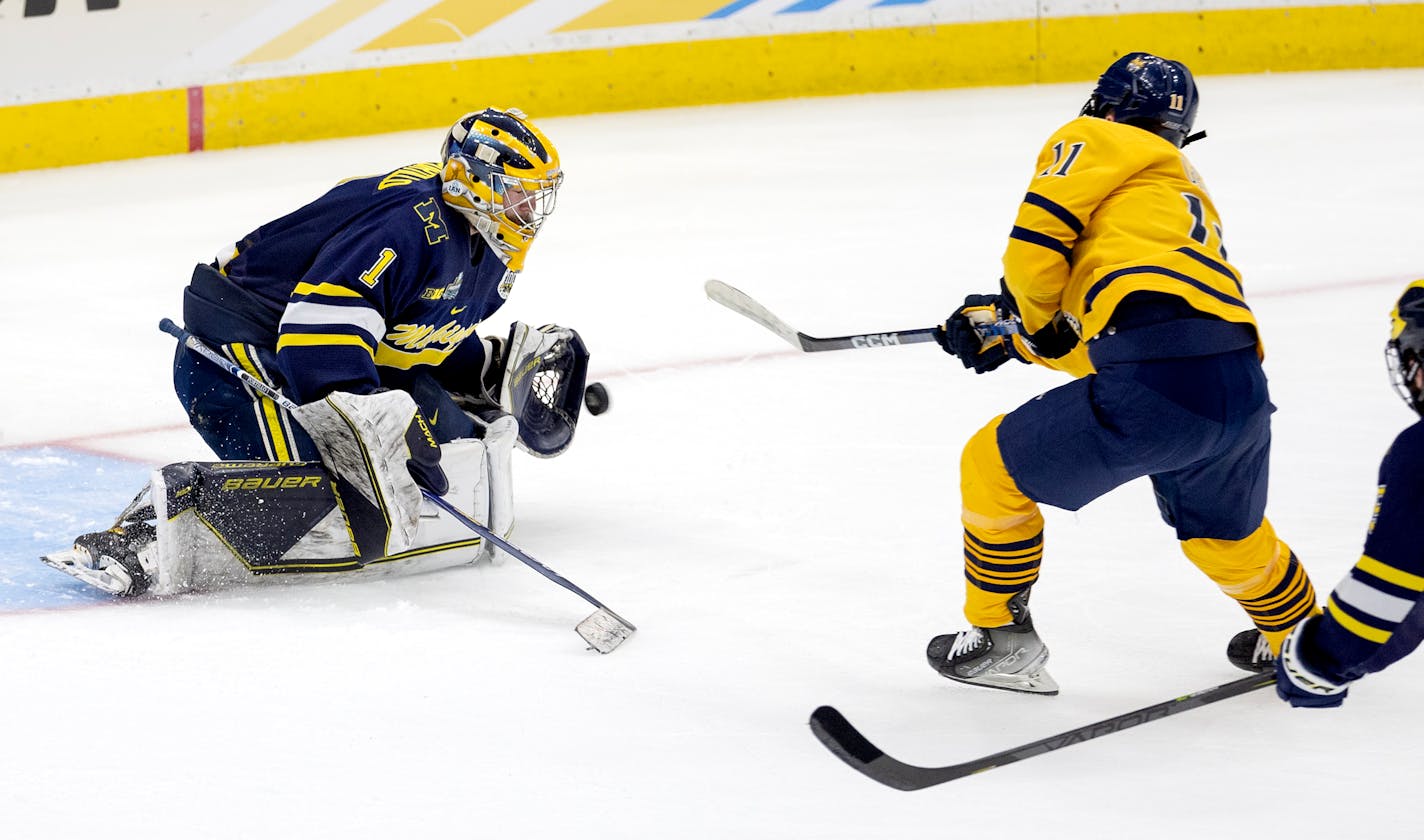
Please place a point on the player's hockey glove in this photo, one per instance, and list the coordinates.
(424, 463)
(1296, 682)
(959, 337)
(1053, 341)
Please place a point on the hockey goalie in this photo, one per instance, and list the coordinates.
(200, 526)
(331, 359)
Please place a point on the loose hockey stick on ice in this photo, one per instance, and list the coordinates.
(604, 631)
(843, 739)
(742, 304)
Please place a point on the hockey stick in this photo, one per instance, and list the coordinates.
(843, 739)
(604, 631)
(742, 304)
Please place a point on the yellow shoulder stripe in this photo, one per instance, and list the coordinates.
(321, 340)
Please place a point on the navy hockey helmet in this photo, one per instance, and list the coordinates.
(503, 175)
(1156, 94)
(1405, 351)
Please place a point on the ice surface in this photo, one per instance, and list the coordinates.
(781, 527)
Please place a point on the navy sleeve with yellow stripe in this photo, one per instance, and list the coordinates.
(1374, 616)
(1114, 209)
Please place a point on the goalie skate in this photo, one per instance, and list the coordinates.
(120, 561)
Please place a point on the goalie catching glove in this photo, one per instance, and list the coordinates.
(537, 376)
(544, 375)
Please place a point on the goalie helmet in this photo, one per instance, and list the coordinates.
(1405, 351)
(503, 175)
(1152, 93)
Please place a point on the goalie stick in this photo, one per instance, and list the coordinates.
(846, 742)
(604, 631)
(743, 304)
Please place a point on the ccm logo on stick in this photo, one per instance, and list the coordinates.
(876, 340)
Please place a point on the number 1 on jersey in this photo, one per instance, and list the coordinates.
(372, 275)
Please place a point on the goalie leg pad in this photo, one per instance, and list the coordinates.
(362, 439)
(220, 523)
(501, 432)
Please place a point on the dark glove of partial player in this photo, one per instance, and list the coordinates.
(1055, 340)
(424, 463)
(1297, 683)
(958, 337)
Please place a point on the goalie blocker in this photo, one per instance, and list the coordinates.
(205, 525)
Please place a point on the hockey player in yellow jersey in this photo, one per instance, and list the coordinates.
(1115, 272)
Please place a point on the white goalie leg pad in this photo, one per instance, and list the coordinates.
(501, 434)
(218, 523)
(190, 555)
(466, 466)
(362, 440)
(480, 487)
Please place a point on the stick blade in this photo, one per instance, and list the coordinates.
(739, 302)
(845, 741)
(604, 631)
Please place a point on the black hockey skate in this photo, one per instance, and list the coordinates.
(1249, 651)
(1009, 657)
(119, 561)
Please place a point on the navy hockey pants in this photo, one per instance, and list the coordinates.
(1199, 427)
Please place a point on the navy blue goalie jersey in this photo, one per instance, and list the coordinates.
(1374, 616)
(372, 282)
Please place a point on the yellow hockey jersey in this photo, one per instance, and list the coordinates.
(1115, 209)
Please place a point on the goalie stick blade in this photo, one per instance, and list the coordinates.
(846, 742)
(604, 631)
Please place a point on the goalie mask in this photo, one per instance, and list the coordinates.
(1405, 351)
(503, 175)
(543, 386)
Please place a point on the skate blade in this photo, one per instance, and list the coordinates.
(1039, 683)
(75, 564)
(604, 631)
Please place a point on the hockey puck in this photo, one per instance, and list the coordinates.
(595, 397)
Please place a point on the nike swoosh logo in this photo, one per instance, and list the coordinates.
(457, 310)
